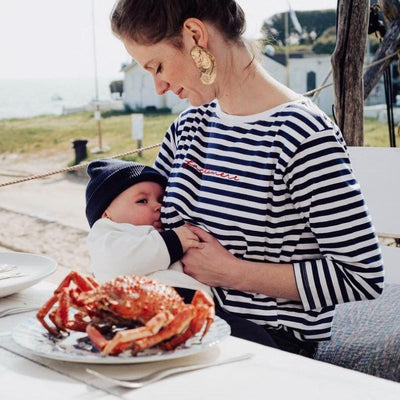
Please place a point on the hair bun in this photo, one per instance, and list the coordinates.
(150, 21)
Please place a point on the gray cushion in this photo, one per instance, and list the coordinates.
(366, 336)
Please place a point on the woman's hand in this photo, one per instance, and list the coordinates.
(216, 266)
(212, 264)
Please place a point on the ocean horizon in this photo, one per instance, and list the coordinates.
(31, 98)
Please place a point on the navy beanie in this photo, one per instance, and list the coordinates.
(109, 178)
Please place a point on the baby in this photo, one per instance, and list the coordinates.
(123, 202)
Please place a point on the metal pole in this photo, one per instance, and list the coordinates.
(287, 48)
(139, 146)
(97, 114)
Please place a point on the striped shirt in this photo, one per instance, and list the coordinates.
(275, 187)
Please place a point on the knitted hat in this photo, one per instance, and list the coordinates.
(109, 178)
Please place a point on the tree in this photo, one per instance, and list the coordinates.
(326, 43)
(313, 23)
(347, 65)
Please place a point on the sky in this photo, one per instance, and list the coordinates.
(53, 39)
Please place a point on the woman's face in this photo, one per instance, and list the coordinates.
(172, 69)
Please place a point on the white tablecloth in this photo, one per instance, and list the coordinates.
(269, 374)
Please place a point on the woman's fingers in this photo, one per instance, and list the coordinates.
(202, 234)
(195, 244)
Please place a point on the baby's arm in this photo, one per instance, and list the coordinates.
(187, 238)
(123, 249)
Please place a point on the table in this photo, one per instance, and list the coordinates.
(269, 374)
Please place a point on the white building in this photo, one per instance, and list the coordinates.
(307, 71)
(140, 93)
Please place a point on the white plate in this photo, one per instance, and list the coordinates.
(33, 266)
(31, 335)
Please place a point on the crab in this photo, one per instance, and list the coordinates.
(153, 312)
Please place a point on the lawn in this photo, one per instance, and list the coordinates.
(55, 134)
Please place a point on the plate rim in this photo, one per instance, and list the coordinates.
(112, 360)
(16, 286)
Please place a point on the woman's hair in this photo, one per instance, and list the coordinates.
(150, 21)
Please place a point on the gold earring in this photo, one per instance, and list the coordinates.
(205, 63)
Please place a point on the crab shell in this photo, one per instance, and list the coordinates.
(131, 298)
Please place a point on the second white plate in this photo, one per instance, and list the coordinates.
(33, 266)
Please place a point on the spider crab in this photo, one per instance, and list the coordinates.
(156, 310)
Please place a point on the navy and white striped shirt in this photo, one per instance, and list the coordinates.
(275, 187)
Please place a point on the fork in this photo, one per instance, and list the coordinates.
(16, 310)
(158, 375)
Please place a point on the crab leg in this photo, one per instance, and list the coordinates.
(204, 313)
(200, 300)
(83, 283)
(61, 315)
(195, 326)
(60, 318)
(117, 343)
(41, 314)
(178, 324)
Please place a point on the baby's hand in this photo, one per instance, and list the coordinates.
(188, 238)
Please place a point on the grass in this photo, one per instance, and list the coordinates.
(55, 134)
(376, 134)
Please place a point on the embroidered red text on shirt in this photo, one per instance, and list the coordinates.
(207, 171)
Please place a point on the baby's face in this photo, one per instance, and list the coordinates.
(138, 205)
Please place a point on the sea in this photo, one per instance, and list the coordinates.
(31, 98)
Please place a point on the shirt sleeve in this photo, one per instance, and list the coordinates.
(173, 244)
(327, 195)
(122, 249)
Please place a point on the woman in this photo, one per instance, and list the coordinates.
(261, 172)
